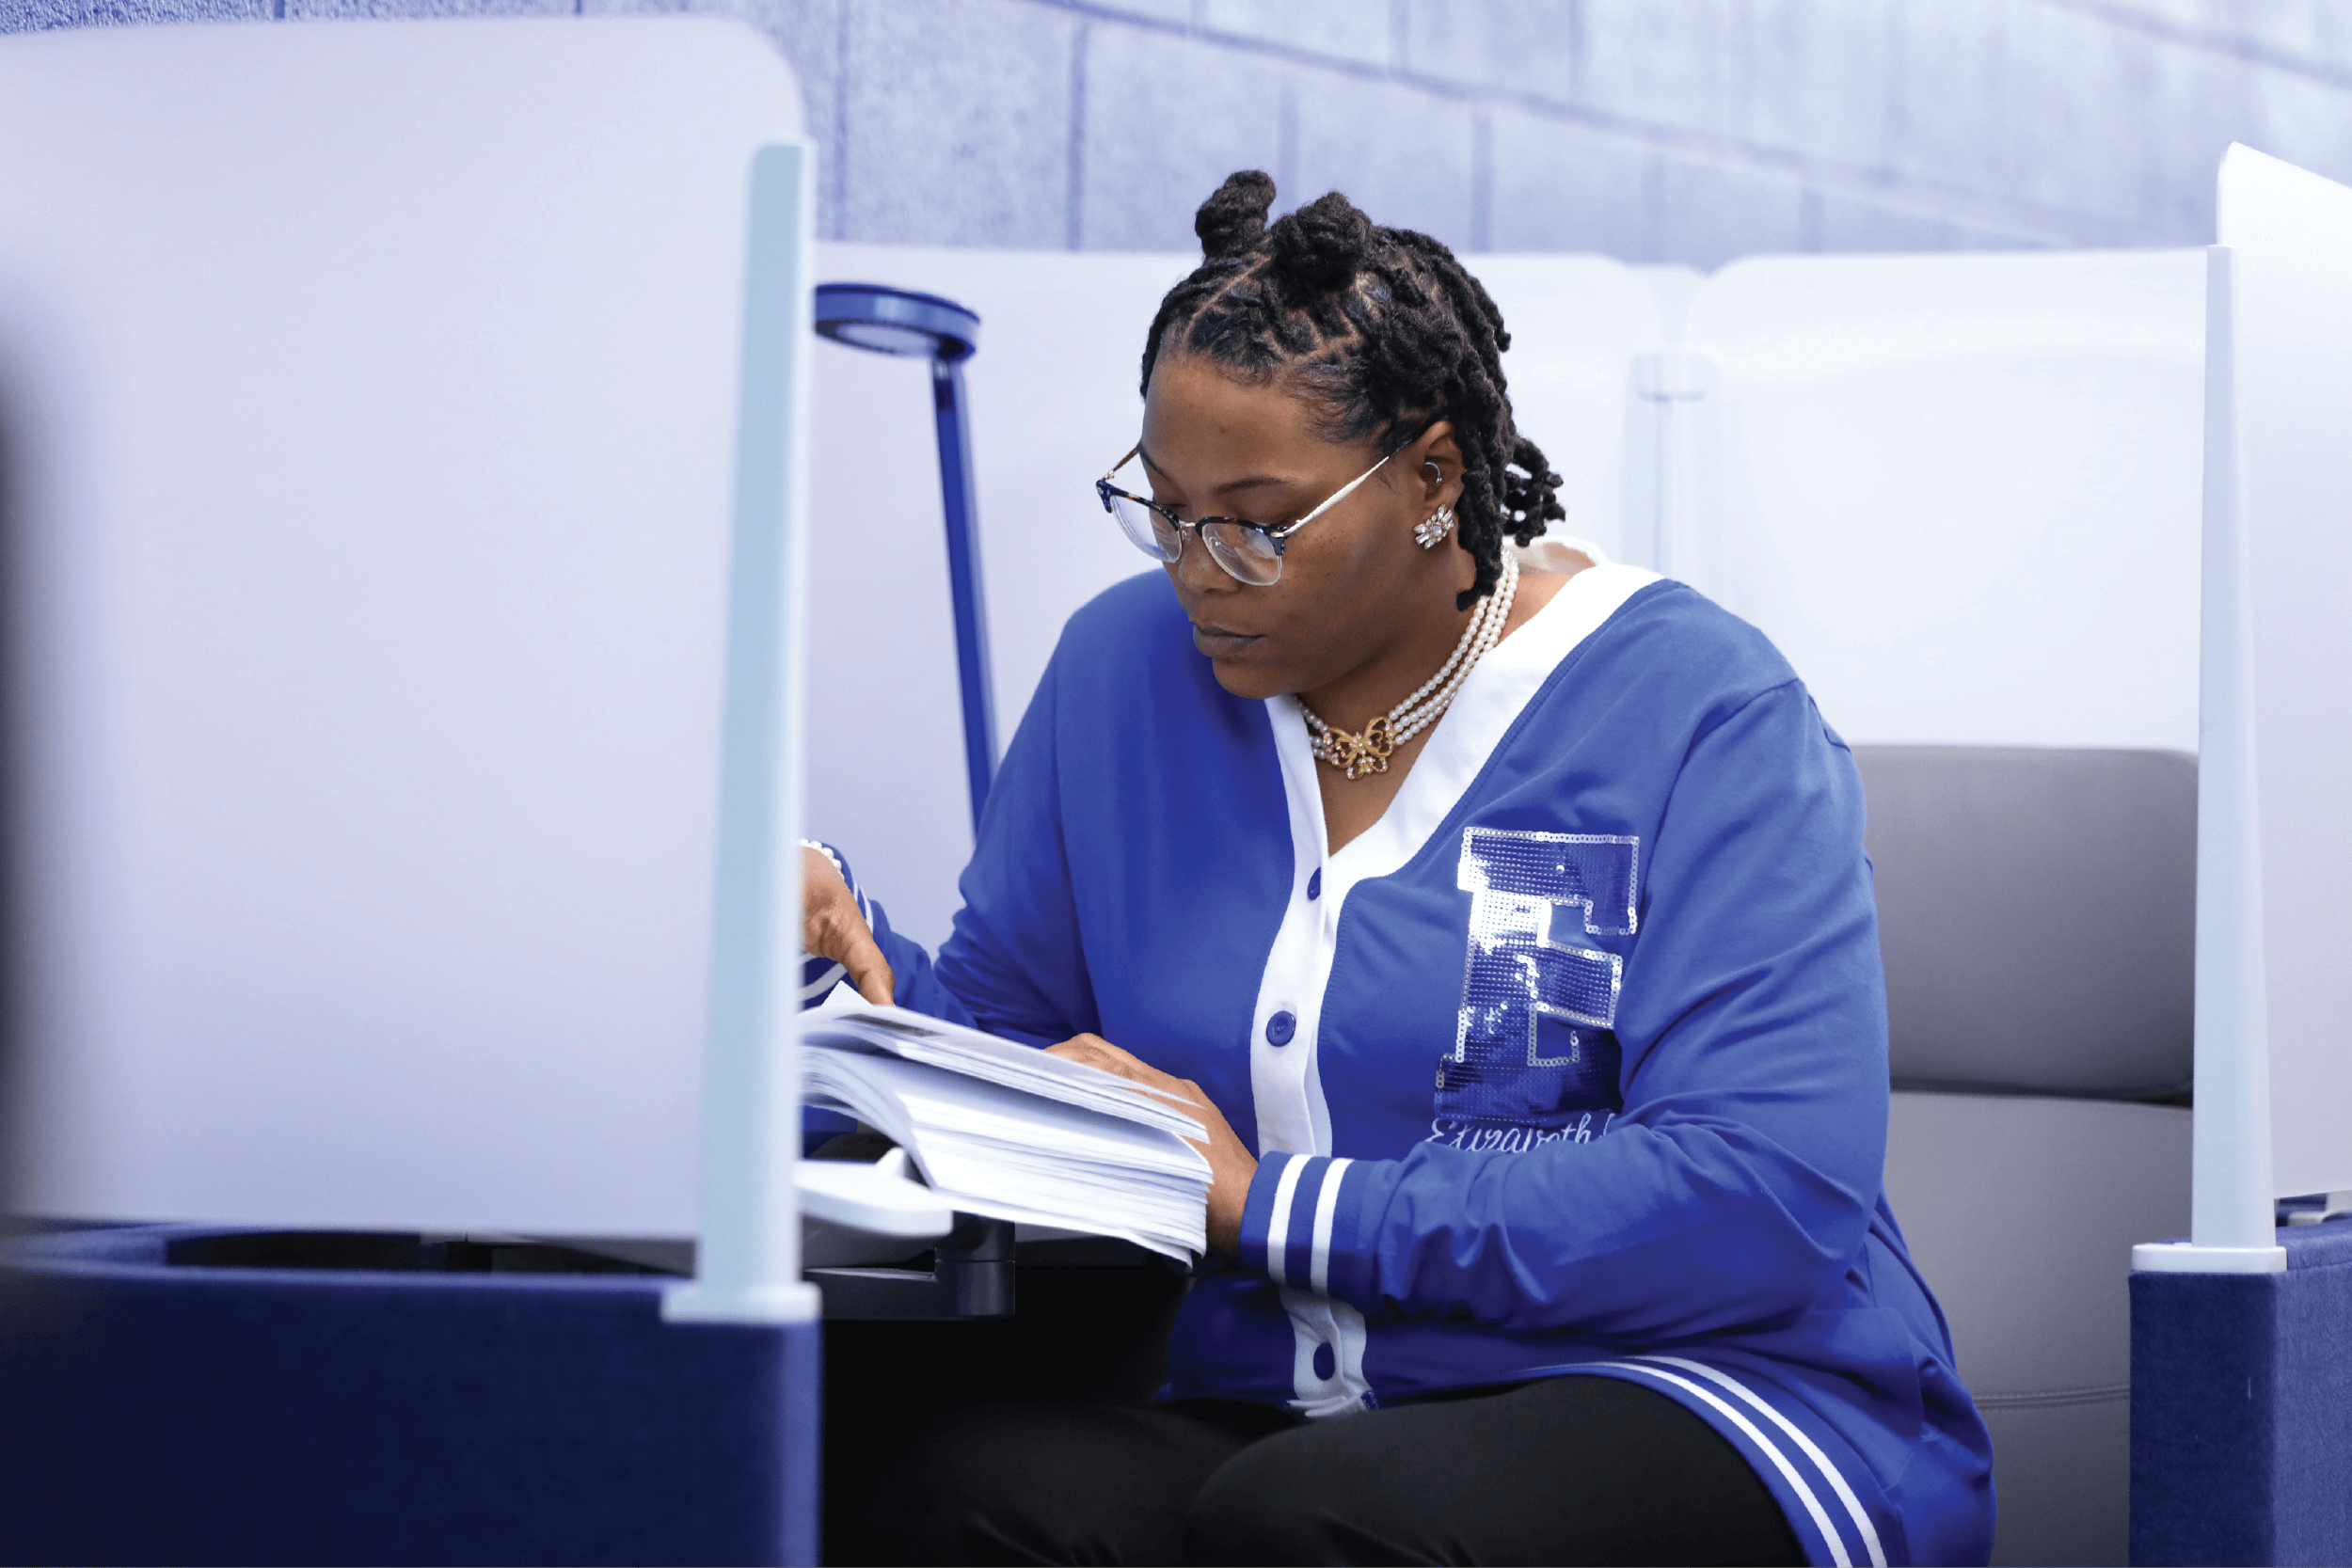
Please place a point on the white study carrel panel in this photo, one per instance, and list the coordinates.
(2290, 236)
(376, 384)
(1959, 492)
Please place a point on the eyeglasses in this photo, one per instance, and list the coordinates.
(1250, 552)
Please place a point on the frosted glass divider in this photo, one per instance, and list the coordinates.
(2290, 232)
(748, 1265)
(2274, 1078)
(2230, 1206)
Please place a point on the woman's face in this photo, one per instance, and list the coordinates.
(1355, 585)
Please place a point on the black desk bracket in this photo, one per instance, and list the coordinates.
(971, 1276)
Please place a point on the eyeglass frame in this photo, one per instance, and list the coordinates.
(1278, 536)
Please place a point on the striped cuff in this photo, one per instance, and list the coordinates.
(1299, 1225)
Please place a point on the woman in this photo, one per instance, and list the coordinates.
(1509, 926)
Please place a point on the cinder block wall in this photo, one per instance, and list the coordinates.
(1686, 131)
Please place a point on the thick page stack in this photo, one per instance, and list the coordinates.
(1006, 1131)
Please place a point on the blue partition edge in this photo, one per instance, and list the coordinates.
(155, 1413)
(2242, 1409)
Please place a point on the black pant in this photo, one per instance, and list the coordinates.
(1572, 1469)
(931, 1461)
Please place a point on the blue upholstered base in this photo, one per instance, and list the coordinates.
(172, 1414)
(2242, 1409)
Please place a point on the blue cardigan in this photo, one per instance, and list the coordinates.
(1575, 1063)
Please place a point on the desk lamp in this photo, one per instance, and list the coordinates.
(885, 319)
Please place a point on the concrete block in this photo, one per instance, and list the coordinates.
(2198, 103)
(105, 13)
(956, 123)
(2178, 13)
(1845, 223)
(1348, 29)
(1952, 93)
(1401, 155)
(1817, 77)
(138, 12)
(41, 16)
(2327, 37)
(2078, 113)
(1669, 65)
(1558, 187)
(2039, 107)
(2306, 122)
(324, 10)
(1165, 120)
(1704, 215)
(2315, 31)
(1526, 46)
(1177, 11)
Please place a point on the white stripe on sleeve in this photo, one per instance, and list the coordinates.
(1327, 1205)
(1278, 1223)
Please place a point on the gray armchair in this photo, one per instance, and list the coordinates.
(2037, 911)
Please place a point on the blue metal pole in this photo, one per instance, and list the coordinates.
(962, 504)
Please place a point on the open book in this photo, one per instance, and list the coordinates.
(1006, 1131)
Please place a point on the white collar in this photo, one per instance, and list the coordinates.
(1491, 698)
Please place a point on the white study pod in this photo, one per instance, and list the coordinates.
(1959, 491)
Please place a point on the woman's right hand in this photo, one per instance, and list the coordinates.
(833, 929)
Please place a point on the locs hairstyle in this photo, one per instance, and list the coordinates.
(1380, 328)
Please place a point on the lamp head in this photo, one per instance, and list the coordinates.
(885, 319)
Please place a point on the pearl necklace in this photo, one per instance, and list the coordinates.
(1368, 753)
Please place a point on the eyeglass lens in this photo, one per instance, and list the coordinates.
(1245, 553)
(1151, 534)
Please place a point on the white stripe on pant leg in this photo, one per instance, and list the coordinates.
(1326, 1207)
(1845, 1492)
(1278, 1223)
(1780, 1461)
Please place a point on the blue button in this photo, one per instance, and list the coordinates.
(1314, 883)
(1325, 1363)
(1279, 1028)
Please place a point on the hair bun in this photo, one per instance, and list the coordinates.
(1323, 244)
(1234, 217)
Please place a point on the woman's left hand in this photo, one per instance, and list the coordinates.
(1231, 1164)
